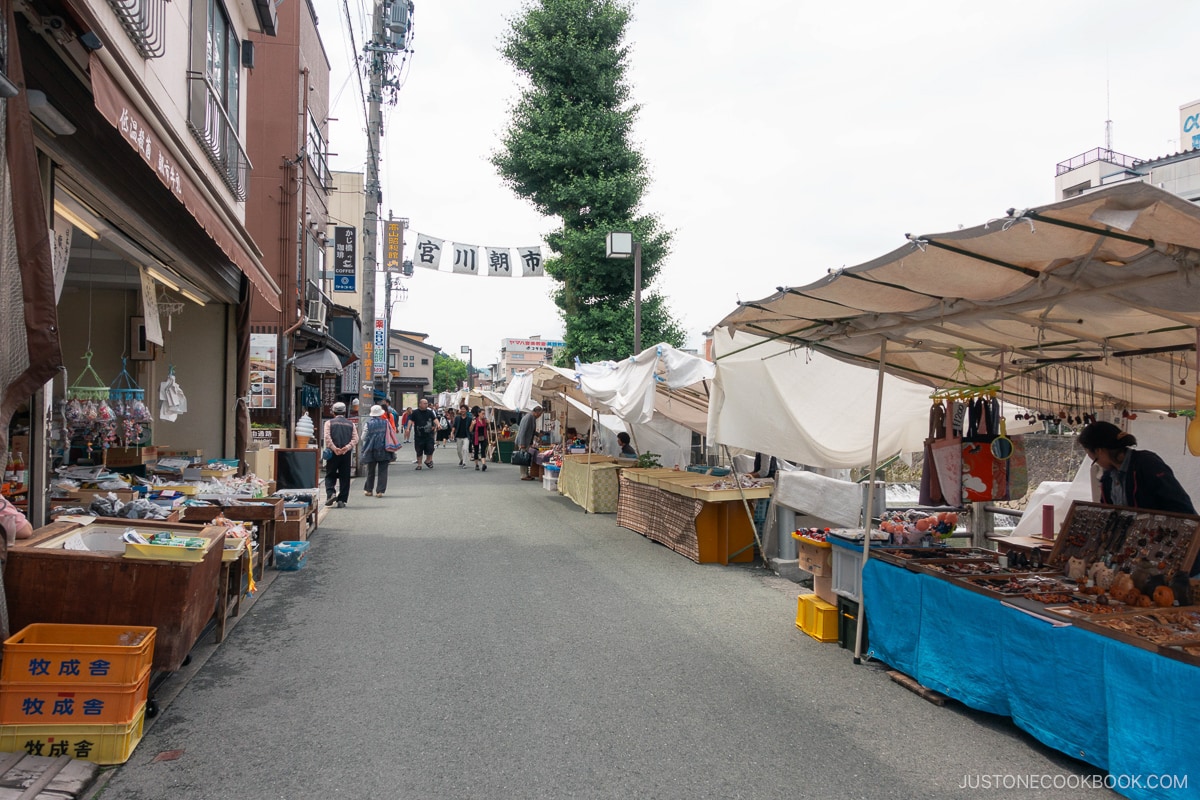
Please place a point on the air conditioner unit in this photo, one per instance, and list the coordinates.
(316, 314)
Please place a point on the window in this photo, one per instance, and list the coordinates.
(392, 360)
(516, 356)
(316, 152)
(424, 362)
(214, 101)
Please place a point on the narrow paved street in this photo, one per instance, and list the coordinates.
(473, 636)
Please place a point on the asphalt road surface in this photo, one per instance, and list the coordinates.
(474, 636)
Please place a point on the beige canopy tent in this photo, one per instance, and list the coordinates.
(1104, 284)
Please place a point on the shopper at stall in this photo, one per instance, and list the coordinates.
(627, 450)
(526, 438)
(375, 454)
(460, 434)
(341, 437)
(424, 422)
(479, 438)
(764, 466)
(1137, 478)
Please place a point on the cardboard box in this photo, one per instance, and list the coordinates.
(130, 456)
(20, 444)
(261, 463)
(815, 557)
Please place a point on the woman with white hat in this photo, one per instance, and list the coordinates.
(375, 454)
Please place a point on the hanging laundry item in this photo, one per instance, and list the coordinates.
(172, 400)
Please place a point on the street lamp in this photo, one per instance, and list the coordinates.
(470, 367)
(622, 245)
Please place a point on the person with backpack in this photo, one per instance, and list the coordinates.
(341, 437)
(424, 422)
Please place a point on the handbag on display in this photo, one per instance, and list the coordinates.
(947, 457)
(522, 458)
(984, 476)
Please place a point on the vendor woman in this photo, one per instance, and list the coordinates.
(1137, 478)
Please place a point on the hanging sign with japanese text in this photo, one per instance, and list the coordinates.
(345, 250)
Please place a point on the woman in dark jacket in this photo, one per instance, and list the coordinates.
(479, 438)
(375, 454)
(1137, 478)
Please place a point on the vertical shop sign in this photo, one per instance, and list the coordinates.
(150, 308)
(264, 367)
(380, 349)
(391, 246)
(344, 259)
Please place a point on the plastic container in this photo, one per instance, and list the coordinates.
(49, 653)
(550, 482)
(848, 611)
(847, 573)
(100, 744)
(817, 618)
(83, 704)
(291, 556)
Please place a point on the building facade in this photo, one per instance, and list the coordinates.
(291, 182)
(138, 118)
(410, 365)
(518, 355)
(1178, 173)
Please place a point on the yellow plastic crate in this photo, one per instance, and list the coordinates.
(73, 703)
(817, 618)
(74, 654)
(100, 744)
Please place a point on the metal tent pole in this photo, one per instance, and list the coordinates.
(862, 600)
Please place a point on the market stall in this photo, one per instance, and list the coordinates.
(174, 591)
(1115, 668)
(591, 481)
(1078, 311)
(695, 515)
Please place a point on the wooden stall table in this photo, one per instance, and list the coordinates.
(591, 481)
(45, 582)
(267, 513)
(235, 563)
(1022, 544)
(709, 526)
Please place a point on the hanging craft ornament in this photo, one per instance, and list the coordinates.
(168, 306)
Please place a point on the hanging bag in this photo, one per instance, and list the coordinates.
(947, 457)
(984, 477)
(522, 458)
(391, 442)
(931, 487)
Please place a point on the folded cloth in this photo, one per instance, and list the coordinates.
(837, 502)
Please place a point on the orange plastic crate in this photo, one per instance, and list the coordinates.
(50, 653)
(72, 704)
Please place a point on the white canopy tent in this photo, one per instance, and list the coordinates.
(795, 403)
(1105, 282)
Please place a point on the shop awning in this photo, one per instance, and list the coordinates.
(318, 361)
(112, 103)
(1084, 305)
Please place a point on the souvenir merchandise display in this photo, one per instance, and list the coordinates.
(918, 527)
(100, 416)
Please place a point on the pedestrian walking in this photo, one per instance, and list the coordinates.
(341, 437)
(444, 421)
(406, 424)
(375, 453)
(461, 434)
(526, 437)
(424, 423)
(479, 438)
(390, 415)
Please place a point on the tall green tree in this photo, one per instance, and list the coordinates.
(449, 373)
(567, 150)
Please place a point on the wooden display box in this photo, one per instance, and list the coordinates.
(689, 484)
(46, 583)
(1092, 530)
(291, 531)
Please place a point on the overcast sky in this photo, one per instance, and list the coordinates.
(784, 139)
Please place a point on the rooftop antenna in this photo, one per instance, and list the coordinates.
(1108, 113)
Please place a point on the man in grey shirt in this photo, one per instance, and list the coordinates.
(526, 435)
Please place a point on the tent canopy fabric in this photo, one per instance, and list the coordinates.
(1105, 283)
(321, 360)
(772, 397)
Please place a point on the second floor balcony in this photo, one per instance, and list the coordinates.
(211, 125)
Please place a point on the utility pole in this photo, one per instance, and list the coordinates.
(391, 30)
